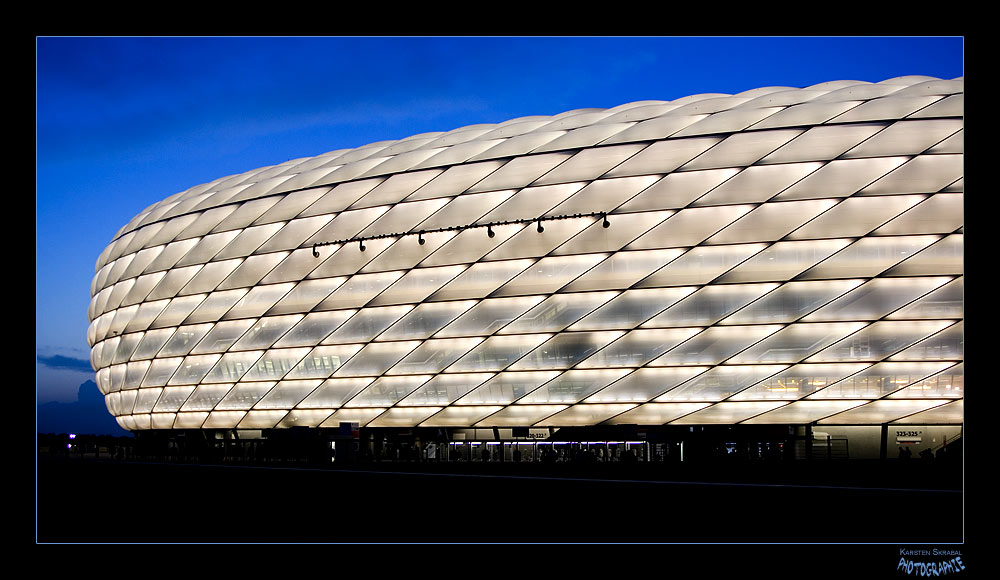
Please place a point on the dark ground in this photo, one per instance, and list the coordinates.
(92, 501)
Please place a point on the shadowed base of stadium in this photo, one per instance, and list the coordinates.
(108, 501)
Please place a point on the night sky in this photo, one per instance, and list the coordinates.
(123, 122)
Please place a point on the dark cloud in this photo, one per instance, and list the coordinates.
(60, 362)
(88, 414)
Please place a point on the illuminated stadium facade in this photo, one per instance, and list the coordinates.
(788, 259)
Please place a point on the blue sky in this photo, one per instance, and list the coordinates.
(123, 122)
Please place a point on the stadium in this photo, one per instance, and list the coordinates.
(775, 273)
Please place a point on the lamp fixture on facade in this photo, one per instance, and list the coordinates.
(489, 229)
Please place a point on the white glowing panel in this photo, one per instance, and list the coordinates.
(459, 416)
(885, 411)
(520, 415)
(798, 381)
(644, 384)
(719, 383)
(949, 383)
(304, 418)
(507, 387)
(880, 379)
(802, 412)
(403, 417)
(445, 389)
(572, 386)
(360, 416)
(948, 414)
(585, 415)
(656, 413)
(727, 413)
